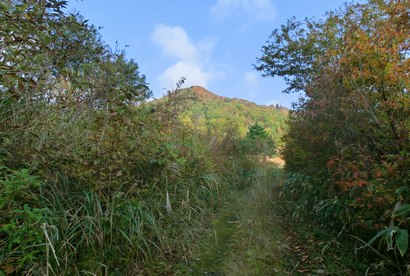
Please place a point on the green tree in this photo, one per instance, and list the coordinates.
(351, 130)
(48, 56)
(256, 132)
(258, 141)
(55, 62)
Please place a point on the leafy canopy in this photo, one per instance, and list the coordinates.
(351, 130)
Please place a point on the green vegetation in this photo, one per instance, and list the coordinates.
(253, 235)
(214, 114)
(347, 150)
(244, 240)
(257, 141)
(94, 179)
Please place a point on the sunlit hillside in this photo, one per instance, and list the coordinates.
(209, 112)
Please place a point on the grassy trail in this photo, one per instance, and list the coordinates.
(253, 236)
(246, 239)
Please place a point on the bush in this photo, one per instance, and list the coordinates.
(22, 218)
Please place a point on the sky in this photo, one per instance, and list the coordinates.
(212, 43)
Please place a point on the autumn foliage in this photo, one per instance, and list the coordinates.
(350, 133)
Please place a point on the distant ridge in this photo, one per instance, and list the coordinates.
(201, 94)
(207, 112)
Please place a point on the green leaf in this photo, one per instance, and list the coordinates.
(404, 209)
(401, 189)
(402, 241)
(389, 236)
(381, 233)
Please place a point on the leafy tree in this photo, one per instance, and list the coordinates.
(55, 61)
(47, 55)
(209, 113)
(351, 130)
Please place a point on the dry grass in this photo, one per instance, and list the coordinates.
(277, 160)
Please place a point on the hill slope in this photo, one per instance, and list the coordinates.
(210, 112)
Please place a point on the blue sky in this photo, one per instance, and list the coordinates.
(213, 43)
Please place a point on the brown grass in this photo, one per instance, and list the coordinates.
(277, 160)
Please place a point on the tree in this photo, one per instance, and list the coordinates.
(256, 132)
(55, 61)
(352, 127)
(258, 140)
(48, 56)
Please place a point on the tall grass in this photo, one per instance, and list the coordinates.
(256, 250)
(58, 232)
(112, 231)
(95, 197)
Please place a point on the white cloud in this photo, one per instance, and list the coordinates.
(174, 42)
(191, 58)
(193, 72)
(206, 46)
(258, 10)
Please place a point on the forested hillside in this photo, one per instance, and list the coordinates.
(209, 112)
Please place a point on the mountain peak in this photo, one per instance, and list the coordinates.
(203, 94)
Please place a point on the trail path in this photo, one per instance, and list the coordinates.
(246, 239)
(252, 236)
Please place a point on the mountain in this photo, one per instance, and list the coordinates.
(201, 94)
(209, 111)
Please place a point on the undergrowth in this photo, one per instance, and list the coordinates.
(116, 200)
(306, 204)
